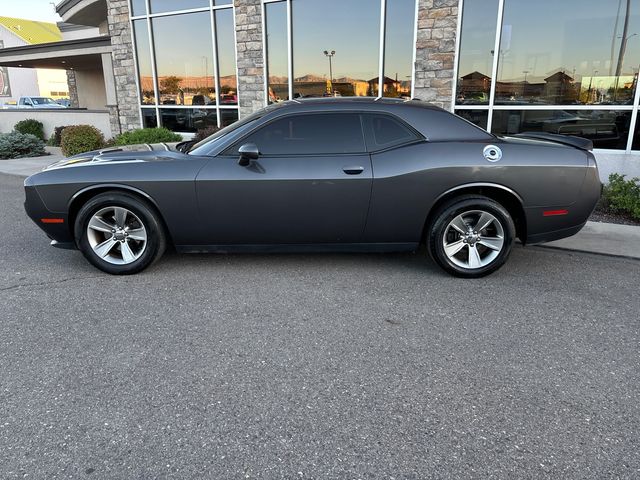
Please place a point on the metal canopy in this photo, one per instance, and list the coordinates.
(79, 54)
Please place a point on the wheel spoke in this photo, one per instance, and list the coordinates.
(459, 224)
(483, 222)
(138, 234)
(127, 255)
(103, 249)
(120, 215)
(494, 243)
(452, 248)
(101, 225)
(474, 257)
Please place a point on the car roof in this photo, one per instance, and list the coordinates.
(350, 102)
(432, 121)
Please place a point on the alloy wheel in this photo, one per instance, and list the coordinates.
(117, 235)
(473, 239)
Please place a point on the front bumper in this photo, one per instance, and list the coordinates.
(36, 210)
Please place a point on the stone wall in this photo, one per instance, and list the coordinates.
(250, 56)
(73, 89)
(127, 115)
(435, 51)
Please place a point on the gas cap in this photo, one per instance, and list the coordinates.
(492, 153)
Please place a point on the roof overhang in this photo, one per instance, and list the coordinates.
(79, 54)
(83, 12)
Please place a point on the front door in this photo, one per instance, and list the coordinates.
(310, 184)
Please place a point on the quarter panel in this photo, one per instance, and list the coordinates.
(407, 181)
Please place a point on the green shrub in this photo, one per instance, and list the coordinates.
(19, 145)
(31, 126)
(622, 196)
(147, 135)
(79, 139)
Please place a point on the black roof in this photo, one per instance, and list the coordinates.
(350, 101)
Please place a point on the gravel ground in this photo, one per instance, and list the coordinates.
(314, 366)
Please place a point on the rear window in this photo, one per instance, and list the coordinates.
(386, 131)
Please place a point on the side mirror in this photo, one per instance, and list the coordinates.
(248, 152)
(185, 146)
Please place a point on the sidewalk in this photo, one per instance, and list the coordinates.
(28, 166)
(602, 238)
(595, 237)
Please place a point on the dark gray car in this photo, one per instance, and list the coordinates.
(323, 175)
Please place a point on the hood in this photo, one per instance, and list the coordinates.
(128, 153)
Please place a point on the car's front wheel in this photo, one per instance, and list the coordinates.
(119, 233)
(471, 236)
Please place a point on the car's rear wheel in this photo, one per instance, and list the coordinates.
(119, 233)
(471, 236)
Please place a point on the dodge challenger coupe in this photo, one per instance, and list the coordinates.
(357, 174)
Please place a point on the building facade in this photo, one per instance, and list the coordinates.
(562, 67)
(508, 66)
(18, 82)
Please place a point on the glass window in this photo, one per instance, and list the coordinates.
(188, 119)
(606, 128)
(277, 61)
(336, 47)
(309, 134)
(398, 55)
(386, 131)
(477, 117)
(161, 6)
(475, 59)
(184, 59)
(587, 52)
(143, 55)
(225, 38)
(138, 7)
(228, 116)
(149, 119)
(222, 2)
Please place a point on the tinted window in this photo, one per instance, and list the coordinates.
(309, 134)
(386, 131)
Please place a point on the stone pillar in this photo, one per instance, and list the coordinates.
(249, 50)
(435, 51)
(73, 89)
(126, 114)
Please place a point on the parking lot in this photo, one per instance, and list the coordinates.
(314, 366)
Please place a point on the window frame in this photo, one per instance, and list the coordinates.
(491, 106)
(369, 134)
(229, 151)
(147, 17)
(382, 46)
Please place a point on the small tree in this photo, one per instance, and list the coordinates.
(170, 84)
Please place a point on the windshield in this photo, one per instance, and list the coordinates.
(43, 101)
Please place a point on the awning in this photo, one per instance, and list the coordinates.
(78, 54)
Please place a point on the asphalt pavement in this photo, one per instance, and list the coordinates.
(325, 366)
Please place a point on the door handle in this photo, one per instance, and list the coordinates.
(353, 170)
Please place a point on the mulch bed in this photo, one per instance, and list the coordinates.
(602, 214)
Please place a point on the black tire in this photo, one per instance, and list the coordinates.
(469, 206)
(147, 216)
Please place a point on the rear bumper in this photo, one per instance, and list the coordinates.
(553, 222)
(554, 235)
